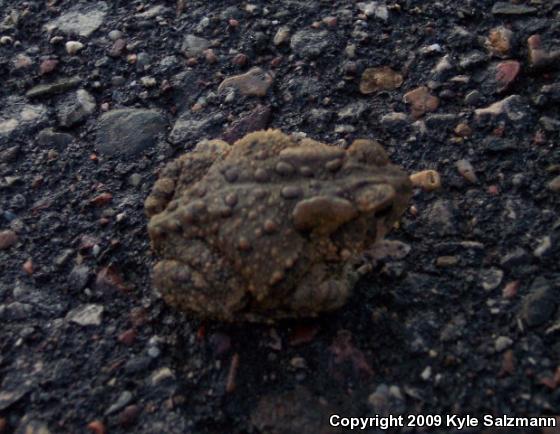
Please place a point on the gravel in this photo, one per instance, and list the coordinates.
(98, 96)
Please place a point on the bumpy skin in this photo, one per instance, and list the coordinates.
(270, 227)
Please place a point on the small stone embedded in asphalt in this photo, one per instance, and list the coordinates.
(428, 180)
(502, 343)
(128, 131)
(554, 184)
(379, 79)
(539, 304)
(506, 73)
(466, 170)
(81, 20)
(47, 66)
(376, 9)
(194, 45)
(48, 137)
(254, 82)
(74, 47)
(499, 41)
(17, 116)
(310, 43)
(539, 57)
(507, 8)
(86, 315)
(421, 101)
(79, 277)
(512, 106)
(543, 247)
(123, 400)
(282, 36)
(491, 278)
(75, 108)
(59, 86)
(7, 239)
(257, 119)
(189, 127)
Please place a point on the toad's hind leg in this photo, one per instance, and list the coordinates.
(187, 289)
(322, 290)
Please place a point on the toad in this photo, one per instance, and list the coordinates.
(270, 227)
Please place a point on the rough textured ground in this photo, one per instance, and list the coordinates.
(466, 323)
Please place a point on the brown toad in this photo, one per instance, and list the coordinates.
(270, 227)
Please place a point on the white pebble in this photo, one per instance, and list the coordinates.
(72, 47)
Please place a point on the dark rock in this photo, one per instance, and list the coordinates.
(128, 131)
(194, 45)
(189, 128)
(75, 108)
(507, 8)
(59, 86)
(310, 43)
(540, 304)
(51, 138)
(79, 276)
(257, 119)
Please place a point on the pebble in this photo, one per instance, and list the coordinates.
(7, 239)
(310, 43)
(506, 74)
(426, 373)
(446, 261)
(543, 247)
(73, 47)
(129, 416)
(117, 48)
(75, 108)
(463, 130)
(512, 106)
(499, 41)
(128, 131)
(465, 168)
(188, 128)
(472, 59)
(97, 427)
(507, 8)
(539, 304)
(502, 343)
(282, 36)
(194, 45)
(378, 79)
(59, 86)
(257, 119)
(47, 66)
(376, 9)
(473, 97)
(538, 56)
(549, 124)
(148, 81)
(421, 101)
(85, 315)
(510, 289)
(254, 82)
(161, 375)
(114, 35)
(123, 400)
(554, 184)
(428, 180)
(81, 20)
(491, 278)
(22, 61)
